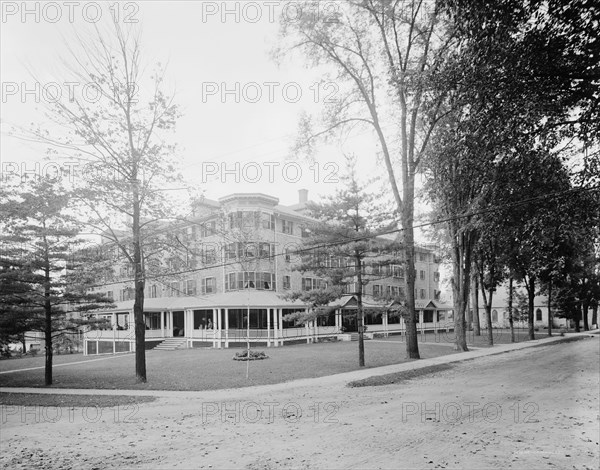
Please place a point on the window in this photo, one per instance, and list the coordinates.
(422, 293)
(428, 316)
(265, 281)
(122, 321)
(372, 318)
(436, 276)
(397, 271)
(538, 315)
(152, 320)
(174, 289)
(109, 294)
(266, 250)
(376, 269)
(392, 291)
(288, 256)
(268, 221)
(494, 316)
(422, 275)
(230, 251)
(250, 280)
(209, 228)
(423, 257)
(377, 290)
(190, 287)
(437, 294)
(209, 285)
(250, 250)
(203, 319)
(326, 320)
(209, 255)
(287, 226)
(287, 282)
(309, 283)
(235, 219)
(127, 294)
(304, 232)
(153, 292)
(191, 260)
(351, 288)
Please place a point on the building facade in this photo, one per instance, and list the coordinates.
(225, 272)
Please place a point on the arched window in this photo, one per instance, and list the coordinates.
(538, 314)
(494, 316)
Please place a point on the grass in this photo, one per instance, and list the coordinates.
(212, 369)
(398, 377)
(45, 399)
(500, 336)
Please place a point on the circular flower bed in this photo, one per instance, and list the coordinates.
(253, 356)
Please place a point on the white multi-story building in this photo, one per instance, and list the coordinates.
(233, 263)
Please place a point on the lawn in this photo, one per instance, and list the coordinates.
(211, 369)
(500, 336)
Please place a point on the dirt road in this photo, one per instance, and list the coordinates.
(534, 408)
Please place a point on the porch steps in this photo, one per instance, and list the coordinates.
(170, 344)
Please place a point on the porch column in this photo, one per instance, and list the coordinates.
(226, 327)
(307, 327)
(276, 326)
(385, 322)
(186, 327)
(281, 326)
(269, 312)
(216, 329)
(162, 324)
(114, 328)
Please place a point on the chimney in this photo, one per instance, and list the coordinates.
(303, 196)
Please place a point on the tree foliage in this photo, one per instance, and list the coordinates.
(44, 276)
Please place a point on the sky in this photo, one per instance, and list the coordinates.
(241, 109)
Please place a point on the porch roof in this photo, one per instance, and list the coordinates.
(349, 301)
(234, 299)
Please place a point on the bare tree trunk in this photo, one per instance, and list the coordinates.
(469, 313)
(412, 347)
(530, 286)
(360, 316)
(550, 319)
(510, 310)
(595, 315)
(48, 341)
(48, 314)
(577, 317)
(138, 305)
(475, 303)
(585, 306)
(487, 302)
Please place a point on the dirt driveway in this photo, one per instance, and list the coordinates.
(535, 408)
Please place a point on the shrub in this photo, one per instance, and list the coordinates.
(253, 356)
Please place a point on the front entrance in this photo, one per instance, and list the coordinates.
(349, 320)
(178, 324)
